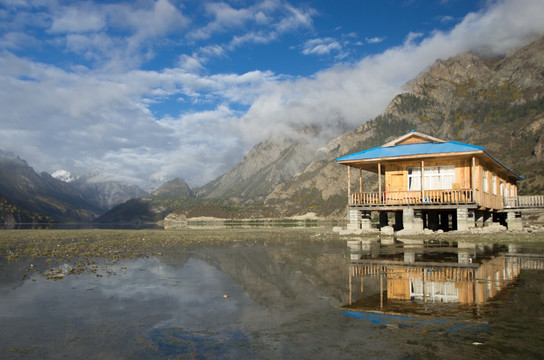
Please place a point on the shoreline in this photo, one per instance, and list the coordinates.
(52, 251)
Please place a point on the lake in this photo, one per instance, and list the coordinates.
(286, 298)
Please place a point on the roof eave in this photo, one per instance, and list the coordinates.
(367, 162)
(408, 157)
(504, 167)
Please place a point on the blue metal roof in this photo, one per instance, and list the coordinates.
(411, 149)
(418, 149)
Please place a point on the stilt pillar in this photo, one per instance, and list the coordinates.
(465, 219)
(412, 220)
(513, 221)
(366, 223)
(354, 217)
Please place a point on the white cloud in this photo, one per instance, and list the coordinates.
(505, 25)
(321, 46)
(195, 63)
(446, 19)
(412, 37)
(296, 18)
(94, 46)
(78, 19)
(260, 23)
(162, 18)
(212, 50)
(190, 64)
(261, 37)
(225, 17)
(375, 40)
(17, 40)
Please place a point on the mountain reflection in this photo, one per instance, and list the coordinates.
(430, 277)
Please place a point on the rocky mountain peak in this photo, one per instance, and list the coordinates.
(523, 68)
(176, 188)
(457, 70)
(9, 157)
(64, 175)
(106, 190)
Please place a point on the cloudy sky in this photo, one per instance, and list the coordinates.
(152, 90)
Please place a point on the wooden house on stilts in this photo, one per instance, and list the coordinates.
(431, 183)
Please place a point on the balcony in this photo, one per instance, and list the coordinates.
(427, 197)
(524, 202)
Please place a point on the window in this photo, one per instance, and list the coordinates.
(485, 184)
(434, 178)
(493, 184)
(414, 179)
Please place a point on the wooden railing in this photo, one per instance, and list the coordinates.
(488, 200)
(532, 201)
(430, 197)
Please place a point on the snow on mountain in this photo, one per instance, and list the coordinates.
(64, 175)
(105, 189)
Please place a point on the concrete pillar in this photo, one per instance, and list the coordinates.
(354, 249)
(354, 217)
(366, 223)
(418, 220)
(513, 221)
(466, 252)
(407, 218)
(514, 248)
(412, 220)
(465, 219)
(409, 257)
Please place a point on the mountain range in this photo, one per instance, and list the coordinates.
(30, 197)
(106, 190)
(495, 102)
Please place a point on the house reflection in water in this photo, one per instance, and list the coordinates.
(405, 275)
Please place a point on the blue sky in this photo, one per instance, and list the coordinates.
(151, 90)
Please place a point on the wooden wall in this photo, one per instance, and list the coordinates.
(397, 173)
(396, 178)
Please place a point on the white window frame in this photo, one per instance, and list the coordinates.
(434, 178)
(494, 184)
(436, 291)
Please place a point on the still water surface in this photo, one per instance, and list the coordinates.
(312, 300)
